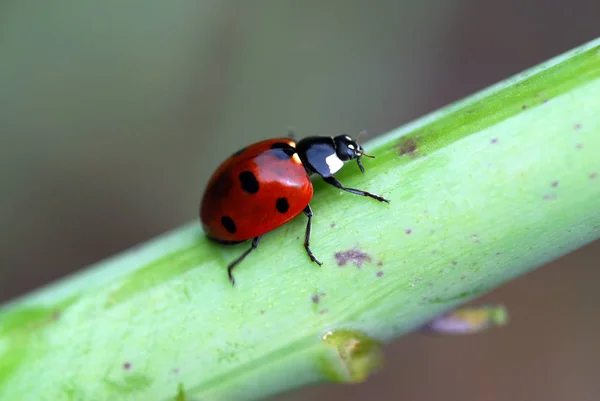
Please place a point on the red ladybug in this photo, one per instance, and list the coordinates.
(267, 184)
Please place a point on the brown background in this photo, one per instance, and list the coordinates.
(114, 114)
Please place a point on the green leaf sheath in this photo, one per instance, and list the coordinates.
(481, 192)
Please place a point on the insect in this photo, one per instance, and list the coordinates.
(265, 185)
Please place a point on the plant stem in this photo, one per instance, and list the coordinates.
(481, 192)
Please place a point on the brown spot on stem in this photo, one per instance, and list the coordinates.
(593, 176)
(577, 126)
(407, 147)
(379, 273)
(354, 255)
(554, 184)
(127, 365)
(494, 140)
(579, 146)
(317, 297)
(550, 197)
(523, 107)
(408, 231)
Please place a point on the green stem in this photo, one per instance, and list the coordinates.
(481, 192)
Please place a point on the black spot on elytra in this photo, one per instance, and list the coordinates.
(282, 205)
(239, 152)
(283, 151)
(249, 182)
(229, 224)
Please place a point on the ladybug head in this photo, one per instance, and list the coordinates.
(347, 149)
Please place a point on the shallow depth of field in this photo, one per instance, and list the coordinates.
(113, 116)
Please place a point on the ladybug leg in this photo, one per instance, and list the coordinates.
(308, 212)
(255, 242)
(360, 166)
(333, 181)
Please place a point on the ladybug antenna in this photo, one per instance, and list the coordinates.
(361, 152)
(361, 134)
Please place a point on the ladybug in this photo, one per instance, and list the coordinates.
(265, 185)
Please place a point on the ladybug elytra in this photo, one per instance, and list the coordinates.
(265, 185)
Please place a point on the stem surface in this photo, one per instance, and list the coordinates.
(481, 192)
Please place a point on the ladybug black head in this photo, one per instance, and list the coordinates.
(347, 149)
(325, 155)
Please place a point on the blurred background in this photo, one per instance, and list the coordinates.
(114, 114)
